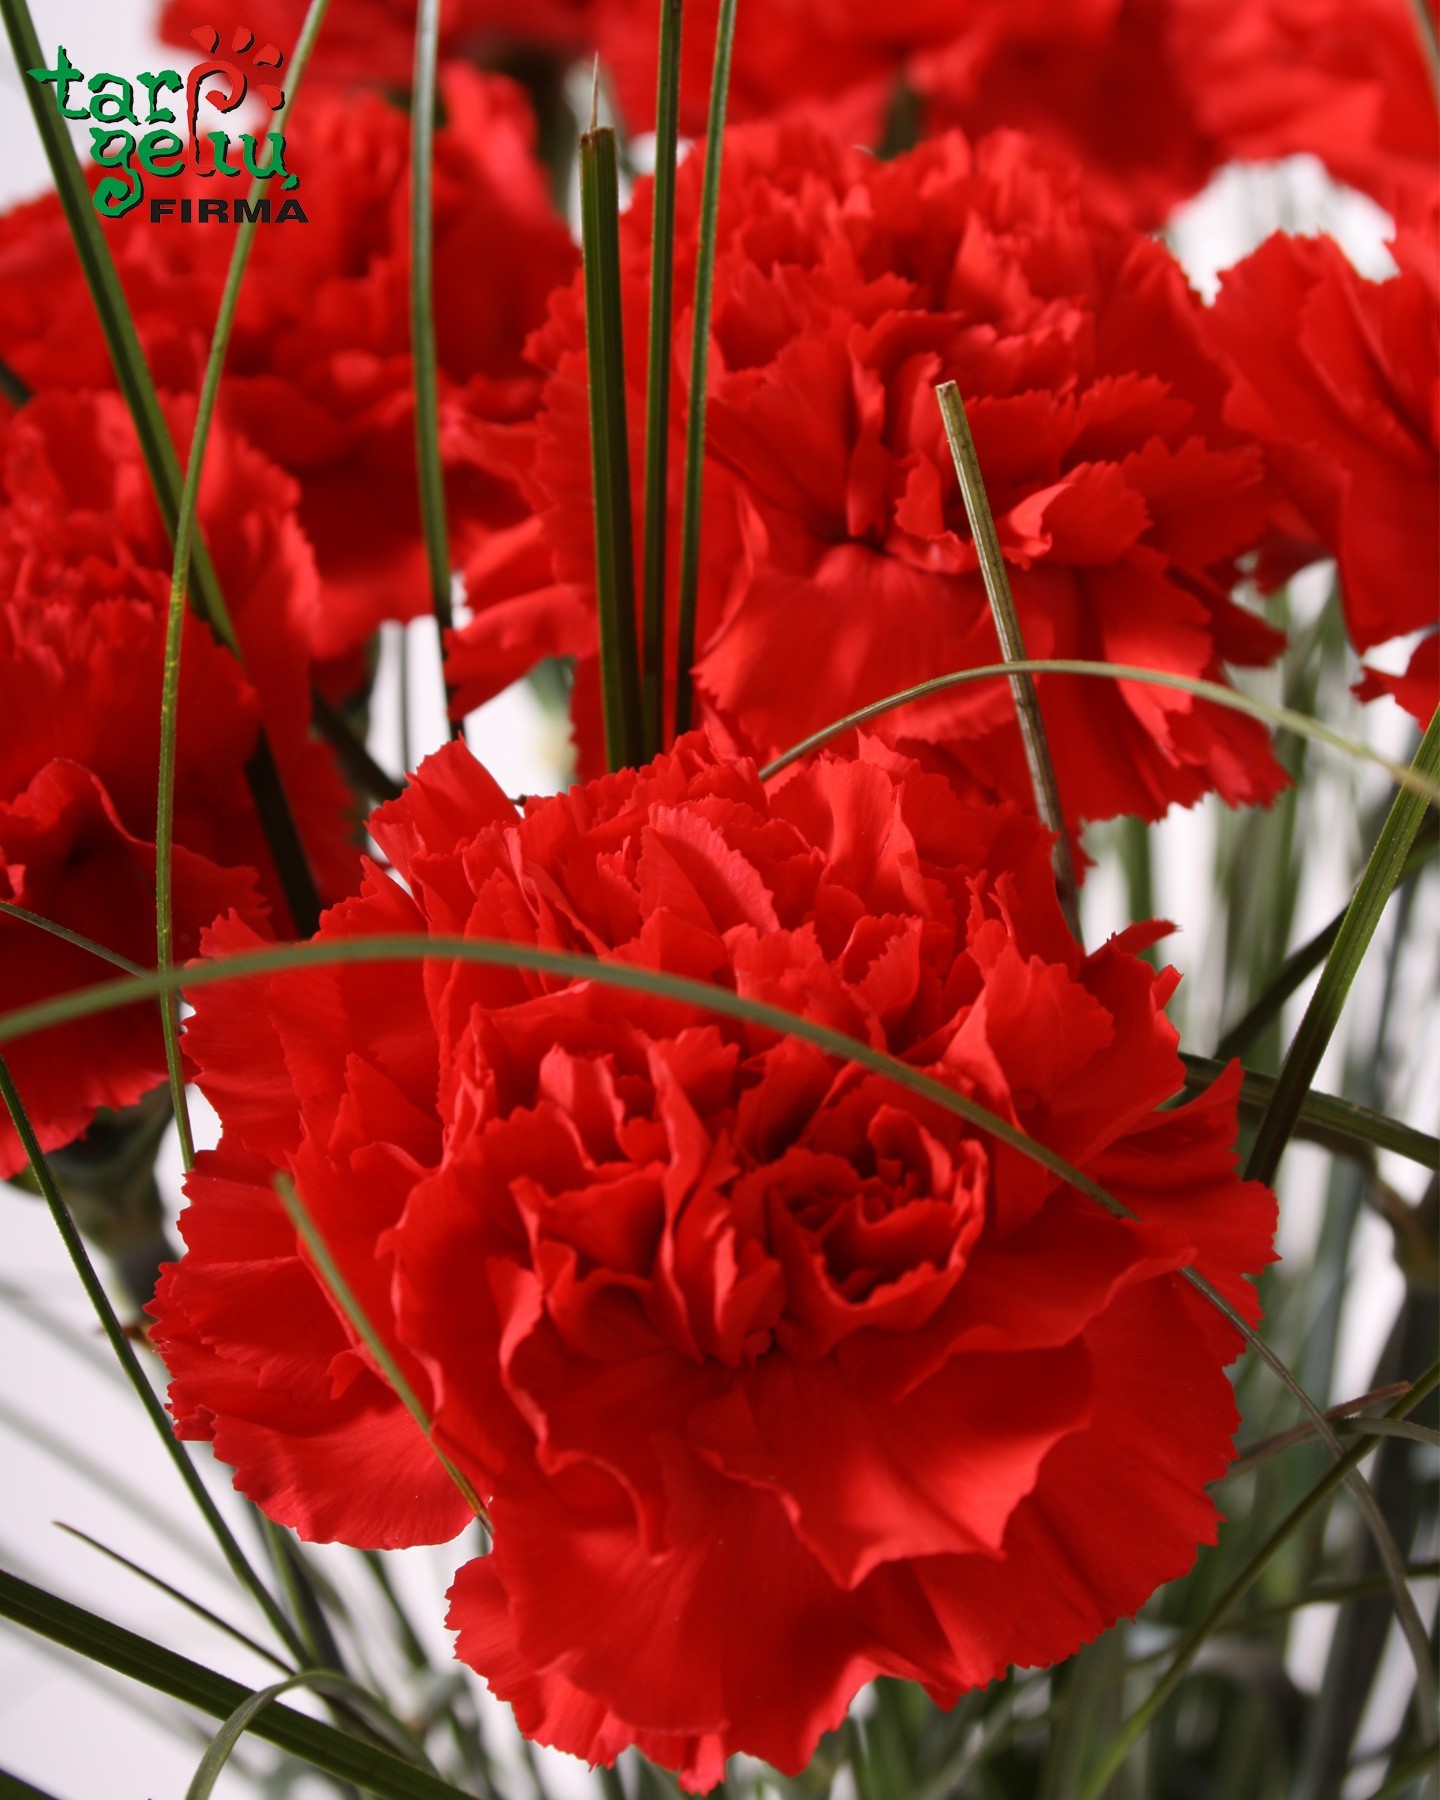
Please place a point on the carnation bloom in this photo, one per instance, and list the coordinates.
(773, 1375)
(835, 537)
(85, 573)
(318, 373)
(1339, 378)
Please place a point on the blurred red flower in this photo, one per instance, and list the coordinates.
(835, 538)
(774, 1376)
(85, 573)
(1339, 378)
(319, 373)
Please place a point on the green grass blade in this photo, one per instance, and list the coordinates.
(1362, 916)
(1340, 1125)
(1012, 647)
(138, 390)
(422, 315)
(202, 1612)
(1139, 1721)
(700, 368)
(360, 768)
(657, 381)
(337, 1753)
(125, 1354)
(344, 1297)
(186, 528)
(610, 448)
(1409, 778)
(1309, 956)
(113, 957)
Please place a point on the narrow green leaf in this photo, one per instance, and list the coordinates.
(1340, 1125)
(344, 1297)
(1012, 647)
(361, 769)
(610, 448)
(130, 1363)
(13, 1788)
(323, 1681)
(113, 957)
(1139, 1721)
(186, 532)
(422, 314)
(1252, 1455)
(1429, 41)
(1283, 717)
(657, 382)
(1362, 916)
(1303, 961)
(194, 1606)
(700, 367)
(335, 1752)
(1407, 1773)
(138, 390)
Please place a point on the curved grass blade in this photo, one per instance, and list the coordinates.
(657, 379)
(1139, 1721)
(138, 390)
(338, 1753)
(1304, 961)
(422, 322)
(1012, 647)
(344, 1297)
(186, 526)
(700, 368)
(1281, 716)
(113, 957)
(1253, 1455)
(323, 1681)
(108, 995)
(609, 447)
(194, 1606)
(125, 1353)
(1340, 1125)
(1362, 916)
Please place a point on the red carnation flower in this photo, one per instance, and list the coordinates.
(703, 1312)
(836, 540)
(85, 571)
(318, 373)
(1339, 378)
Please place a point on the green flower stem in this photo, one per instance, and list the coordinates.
(1012, 647)
(361, 769)
(1412, 779)
(700, 369)
(1303, 962)
(1362, 916)
(422, 320)
(1340, 1125)
(337, 1753)
(125, 1354)
(185, 535)
(133, 376)
(344, 1297)
(1139, 1721)
(657, 384)
(610, 448)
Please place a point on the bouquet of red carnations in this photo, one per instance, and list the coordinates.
(740, 1203)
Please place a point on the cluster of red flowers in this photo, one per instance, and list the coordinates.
(699, 1310)
(703, 1312)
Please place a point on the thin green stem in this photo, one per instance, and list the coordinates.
(1139, 1721)
(610, 448)
(422, 321)
(138, 390)
(1340, 1125)
(337, 1753)
(1012, 647)
(1281, 716)
(185, 535)
(657, 383)
(113, 957)
(344, 1297)
(1362, 916)
(130, 1363)
(1429, 42)
(1303, 962)
(360, 767)
(700, 369)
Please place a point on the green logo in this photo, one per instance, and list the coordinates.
(130, 148)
